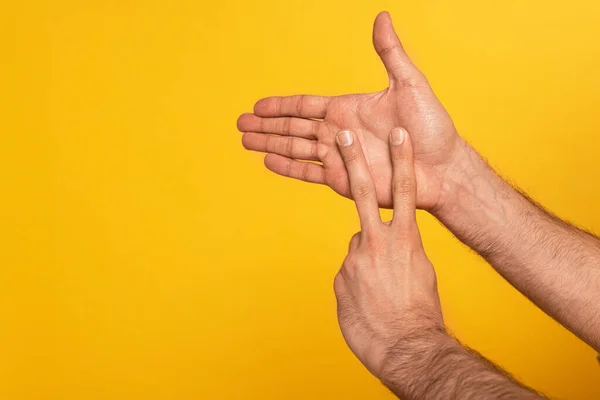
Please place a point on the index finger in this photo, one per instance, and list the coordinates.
(361, 182)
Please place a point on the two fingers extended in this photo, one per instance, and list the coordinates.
(362, 186)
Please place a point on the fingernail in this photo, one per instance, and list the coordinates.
(398, 136)
(344, 138)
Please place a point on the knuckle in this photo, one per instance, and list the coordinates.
(354, 241)
(338, 283)
(304, 172)
(356, 261)
(300, 104)
(397, 153)
(287, 125)
(409, 82)
(271, 144)
(280, 145)
(289, 147)
(278, 105)
(387, 49)
(361, 191)
(351, 156)
(348, 261)
(287, 169)
(403, 186)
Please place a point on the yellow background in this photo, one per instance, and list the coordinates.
(146, 255)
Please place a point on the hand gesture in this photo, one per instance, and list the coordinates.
(386, 289)
(298, 130)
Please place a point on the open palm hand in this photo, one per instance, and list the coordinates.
(298, 130)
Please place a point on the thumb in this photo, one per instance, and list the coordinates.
(400, 69)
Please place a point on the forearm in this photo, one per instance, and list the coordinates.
(436, 366)
(553, 263)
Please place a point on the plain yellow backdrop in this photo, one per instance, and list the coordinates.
(146, 255)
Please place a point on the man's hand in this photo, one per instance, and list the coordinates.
(386, 288)
(388, 305)
(303, 127)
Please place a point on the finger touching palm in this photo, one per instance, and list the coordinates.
(298, 132)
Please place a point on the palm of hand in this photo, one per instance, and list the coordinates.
(371, 117)
(304, 128)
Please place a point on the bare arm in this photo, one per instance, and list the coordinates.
(553, 263)
(436, 366)
(388, 306)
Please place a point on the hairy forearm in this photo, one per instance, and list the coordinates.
(552, 262)
(436, 366)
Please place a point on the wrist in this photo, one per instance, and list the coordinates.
(454, 176)
(478, 206)
(470, 187)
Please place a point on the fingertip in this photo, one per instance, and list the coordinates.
(243, 121)
(247, 140)
(270, 157)
(260, 107)
(389, 47)
(344, 138)
(383, 15)
(382, 21)
(400, 145)
(269, 160)
(397, 136)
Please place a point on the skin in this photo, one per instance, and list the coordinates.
(388, 305)
(303, 127)
(386, 273)
(553, 263)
